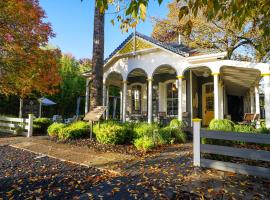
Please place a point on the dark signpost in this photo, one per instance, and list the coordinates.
(94, 116)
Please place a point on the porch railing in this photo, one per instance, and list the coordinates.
(245, 153)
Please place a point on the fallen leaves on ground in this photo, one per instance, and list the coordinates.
(165, 175)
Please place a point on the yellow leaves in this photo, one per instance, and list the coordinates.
(112, 22)
(38, 190)
(116, 189)
(143, 11)
(210, 190)
(10, 193)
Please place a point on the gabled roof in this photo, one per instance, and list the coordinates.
(179, 49)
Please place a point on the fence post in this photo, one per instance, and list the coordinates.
(196, 142)
(30, 125)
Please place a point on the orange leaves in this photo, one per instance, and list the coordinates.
(25, 67)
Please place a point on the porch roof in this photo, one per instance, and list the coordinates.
(238, 81)
(179, 49)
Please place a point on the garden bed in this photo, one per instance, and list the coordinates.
(127, 149)
(126, 138)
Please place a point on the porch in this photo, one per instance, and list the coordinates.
(209, 90)
(156, 80)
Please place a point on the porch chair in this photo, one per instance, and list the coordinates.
(250, 119)
(70, 120)
(162, 118)
(144, 116)
(57, 118)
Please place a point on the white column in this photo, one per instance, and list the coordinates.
(216, 95)
(191, 97)
(252, 103)
(104, 98)
(87, 94)
(257, 99)
(149, 114)
(107, 103)
(180, 97)
(124, 100)
(104, 95)
(196, 142)
(267, 99)
(121, 104)
(221, 101)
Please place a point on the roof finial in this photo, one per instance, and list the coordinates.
(134, 44)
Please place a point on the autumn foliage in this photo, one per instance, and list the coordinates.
(26, 66)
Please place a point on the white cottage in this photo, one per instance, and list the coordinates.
(162, 81)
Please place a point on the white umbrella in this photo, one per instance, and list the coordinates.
(46, 102)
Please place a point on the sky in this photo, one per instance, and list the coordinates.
(73, 23)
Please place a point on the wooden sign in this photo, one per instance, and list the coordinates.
(95, 114)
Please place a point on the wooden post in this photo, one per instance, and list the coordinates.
(196, 142)
(30, 125)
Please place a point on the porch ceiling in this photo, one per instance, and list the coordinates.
(114, 79)
(239, 80)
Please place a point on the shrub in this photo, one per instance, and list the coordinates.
(221, 125)
(41, 125)
(263, 130)
(244, 128)
(145, 129)
(130, 131)
(54, 129)
(179, 135)
(111, 133)
(166, 134)
(175, 123)
(144, 143)
(74, 130)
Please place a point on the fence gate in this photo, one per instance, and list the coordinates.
(22, 125)
(246, 153)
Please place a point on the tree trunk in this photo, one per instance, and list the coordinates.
(97, 60)
(21, 108)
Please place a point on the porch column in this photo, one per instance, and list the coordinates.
(104, 99)
(107, 103)
(257, 99)
(124, 100)
(149, 114)
(104, 95)
(180, 97)
(121, 104)
(267, 99)
(251, 96)
(216, 95)
(87, 94)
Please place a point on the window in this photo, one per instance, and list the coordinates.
(136, 99)
(172, 99)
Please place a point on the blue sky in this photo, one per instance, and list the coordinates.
(72, 22)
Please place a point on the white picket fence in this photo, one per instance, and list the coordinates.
(245, 153)
(11, 125)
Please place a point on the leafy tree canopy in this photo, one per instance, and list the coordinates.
(202, 34)
(241, 15)
(72, 85)
(25, 67)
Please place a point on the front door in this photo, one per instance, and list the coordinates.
(207, 103)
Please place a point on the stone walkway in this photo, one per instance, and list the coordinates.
(74, 154)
